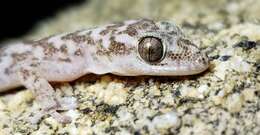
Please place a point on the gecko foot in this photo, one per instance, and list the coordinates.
(45, 95)
(53, 113)
(59, 117)
(52, 109)
(67, 103)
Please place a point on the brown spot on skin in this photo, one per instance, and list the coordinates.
(143, 24)
(35, 64)
(42, 42)
(90, 40)
(20, 56)
(64, 49)
(188, 55)
(111, 28)
(174, 56)
(131, 31)
(64, 59)
(78, 52)
(185, 48)
(25, 73)
(104, 32)
(115, 48)
(118, 48)
(159, 64)
(181, 56)
(172, 33)
(74, 37)
(50, 50)
(100, 49)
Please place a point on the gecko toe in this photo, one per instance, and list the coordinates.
(59, 117)
(67, 103)
(36, 118)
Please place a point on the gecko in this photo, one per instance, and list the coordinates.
(128, 48)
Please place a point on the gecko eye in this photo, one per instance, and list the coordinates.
(151, 49)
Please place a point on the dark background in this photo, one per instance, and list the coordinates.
(18, 17)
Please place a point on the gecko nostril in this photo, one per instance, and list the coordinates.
(204, 61)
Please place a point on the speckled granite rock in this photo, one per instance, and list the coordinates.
(223, 100)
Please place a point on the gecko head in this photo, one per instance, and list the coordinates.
(164, 51)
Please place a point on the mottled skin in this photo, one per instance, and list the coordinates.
(107, 49)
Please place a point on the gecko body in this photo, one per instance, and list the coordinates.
(129, 48)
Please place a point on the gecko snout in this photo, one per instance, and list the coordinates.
(202, 59)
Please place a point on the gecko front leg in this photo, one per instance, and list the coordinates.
(45, 94)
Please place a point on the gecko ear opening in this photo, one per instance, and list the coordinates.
(151, 49)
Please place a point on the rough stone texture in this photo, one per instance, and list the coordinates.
(223, 100)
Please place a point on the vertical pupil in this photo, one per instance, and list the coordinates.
(150, 51)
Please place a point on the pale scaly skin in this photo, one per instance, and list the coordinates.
(108, 49)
